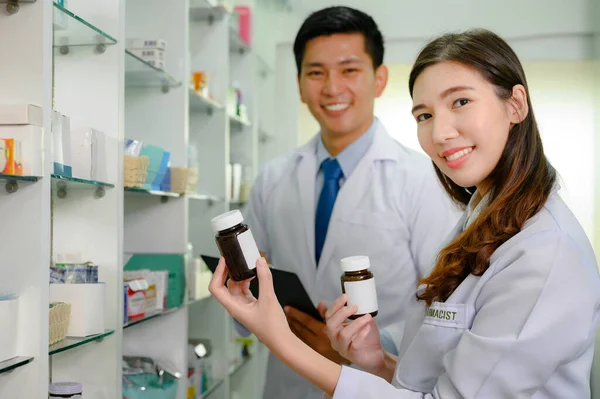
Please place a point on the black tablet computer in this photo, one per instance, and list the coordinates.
(288, 288)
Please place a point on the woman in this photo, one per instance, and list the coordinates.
(512, 303)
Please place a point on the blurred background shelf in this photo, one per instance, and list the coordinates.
(5, 178)
(16, 362)
(152, 192)
(76, 183)
(199, 102)
(139, 73)
(72, 342)
(73, 30)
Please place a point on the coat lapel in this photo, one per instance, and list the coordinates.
(355, 188)
(306, 173)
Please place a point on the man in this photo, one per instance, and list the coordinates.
(352, 190)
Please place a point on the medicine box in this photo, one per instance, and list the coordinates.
(87, 307)
(158, 64)
(21, 114)
(149, 54)
(140, 44)
(173, 264)
(8, 328)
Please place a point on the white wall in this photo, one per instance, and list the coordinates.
(561, 29)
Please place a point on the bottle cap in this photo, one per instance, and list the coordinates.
(65, 388)
(227, 220)
(355, 263)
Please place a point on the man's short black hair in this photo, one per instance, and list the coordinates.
(339, 19)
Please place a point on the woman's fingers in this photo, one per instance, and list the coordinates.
(217, 286)
(336, 305)
(352, 330)
(265, 279)
(360, 337)
(337, 320)
(236, 288)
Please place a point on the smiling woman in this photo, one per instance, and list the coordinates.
(496, 323)
(551, 83)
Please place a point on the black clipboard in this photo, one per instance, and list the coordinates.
(288, 289)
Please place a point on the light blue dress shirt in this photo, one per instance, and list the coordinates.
(348, 158)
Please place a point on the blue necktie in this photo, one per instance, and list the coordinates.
(332, 172)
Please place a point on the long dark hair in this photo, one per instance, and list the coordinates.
(519, 185)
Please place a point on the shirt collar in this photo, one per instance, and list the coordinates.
(351, 155)
(473, 212)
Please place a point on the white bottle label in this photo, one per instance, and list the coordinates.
(249, 249)
(363, 294)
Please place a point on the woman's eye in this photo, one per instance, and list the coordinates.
(423, 117)
(460, 102)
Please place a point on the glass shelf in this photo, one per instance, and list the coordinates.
(17, 178)
(237, 367)
(150, 316)
(15, 362)
(263, 66)
(239, 122)
(205, 10)
(236, 44)
(152, 192)
(72, 30)
(200, 103)
(238, 203)
(76, 183)
(216, 383)
(73, 342)
(202, 197)
(138, 73)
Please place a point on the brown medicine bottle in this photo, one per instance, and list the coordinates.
(236, 244)
(359, 284)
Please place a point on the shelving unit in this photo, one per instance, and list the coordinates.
(74, 60)
(69, 60)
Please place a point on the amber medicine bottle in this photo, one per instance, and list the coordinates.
(359, 284)
(236, 244)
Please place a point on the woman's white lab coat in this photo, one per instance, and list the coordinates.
(391, 208)
(524, 329)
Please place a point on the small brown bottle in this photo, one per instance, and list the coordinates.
(236, 244)
(359, 284)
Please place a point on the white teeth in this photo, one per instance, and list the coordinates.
(336, 107)
(459, 154)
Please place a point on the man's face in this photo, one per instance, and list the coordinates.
(338, 83)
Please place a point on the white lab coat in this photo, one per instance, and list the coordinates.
(391, 208)
(524, 329)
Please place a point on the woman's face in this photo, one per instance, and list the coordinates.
(462, 123)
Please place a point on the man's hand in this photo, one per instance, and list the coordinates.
(313, 332)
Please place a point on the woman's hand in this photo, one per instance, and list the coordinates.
(358, 340)
(263, 316)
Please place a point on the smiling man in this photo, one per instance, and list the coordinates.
(352, 190)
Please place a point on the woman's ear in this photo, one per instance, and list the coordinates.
(518, 104)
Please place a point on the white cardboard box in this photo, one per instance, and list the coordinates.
(87, 307)
(99, 172)
(149, 54)
(158, 64)
(138, 44)
(21, 114)
(81, 153)
(8, 329)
